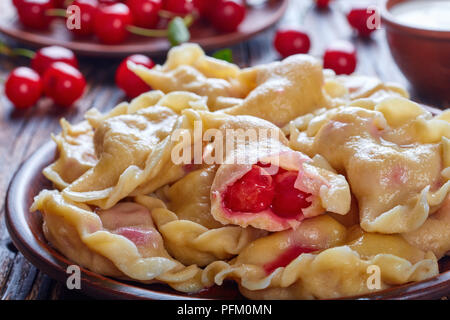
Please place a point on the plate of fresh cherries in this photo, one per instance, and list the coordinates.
(119, 28)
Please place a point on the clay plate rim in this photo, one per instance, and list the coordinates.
(25, 229)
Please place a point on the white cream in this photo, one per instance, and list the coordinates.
(424, 14)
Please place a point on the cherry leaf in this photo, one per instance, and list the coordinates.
(177, 31)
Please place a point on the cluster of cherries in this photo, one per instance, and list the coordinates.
(54, 73)
(113, 20)
(340, 56)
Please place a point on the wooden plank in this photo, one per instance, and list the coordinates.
(20, 280)
(6, 261)
(60, 292)
(41, 288)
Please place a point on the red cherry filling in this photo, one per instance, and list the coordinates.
(135, 235)
(256, 191)
(285, 258)
(288, 201)
(251, 193)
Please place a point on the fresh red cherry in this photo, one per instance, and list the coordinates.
(288, 201)
(289, 42)
(59, 3)
(63, 83)
(227, 15)
(46, 56)
(180, 7)
(111, 23)
(88, 11)
(128, 81)
(340, 57)
(33, 13)
(358, 18)
(136, 235)
(251, 193)
(108, 1)
(17, 3)
(323, 4)
(145, 12)
(203, 7)
(23, 87)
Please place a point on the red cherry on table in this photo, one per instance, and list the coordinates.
(251, 193)
(46, 56)
(88, 11)
(145, 12)
(340, 56)
(63, 83)
(128, 81)
(359, 19)
(23, 87)
(288, 201)
(111, 23)
(289, 42)
(33, 13)
(180, 7)
(227, 15)
(323, 4)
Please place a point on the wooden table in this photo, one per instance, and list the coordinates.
(23, 132)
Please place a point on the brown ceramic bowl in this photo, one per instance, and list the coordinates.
(25, 229)
(423, 55)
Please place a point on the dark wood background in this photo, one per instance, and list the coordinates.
(23, 132)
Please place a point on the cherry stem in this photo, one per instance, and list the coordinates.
(24, 52)
(16, 52)
(166, 14)
(155, 33)
(188, 20)
(56, 12)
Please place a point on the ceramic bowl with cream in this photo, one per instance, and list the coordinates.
(418, 33)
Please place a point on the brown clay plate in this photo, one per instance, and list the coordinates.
(25, 229)
(258, 19)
